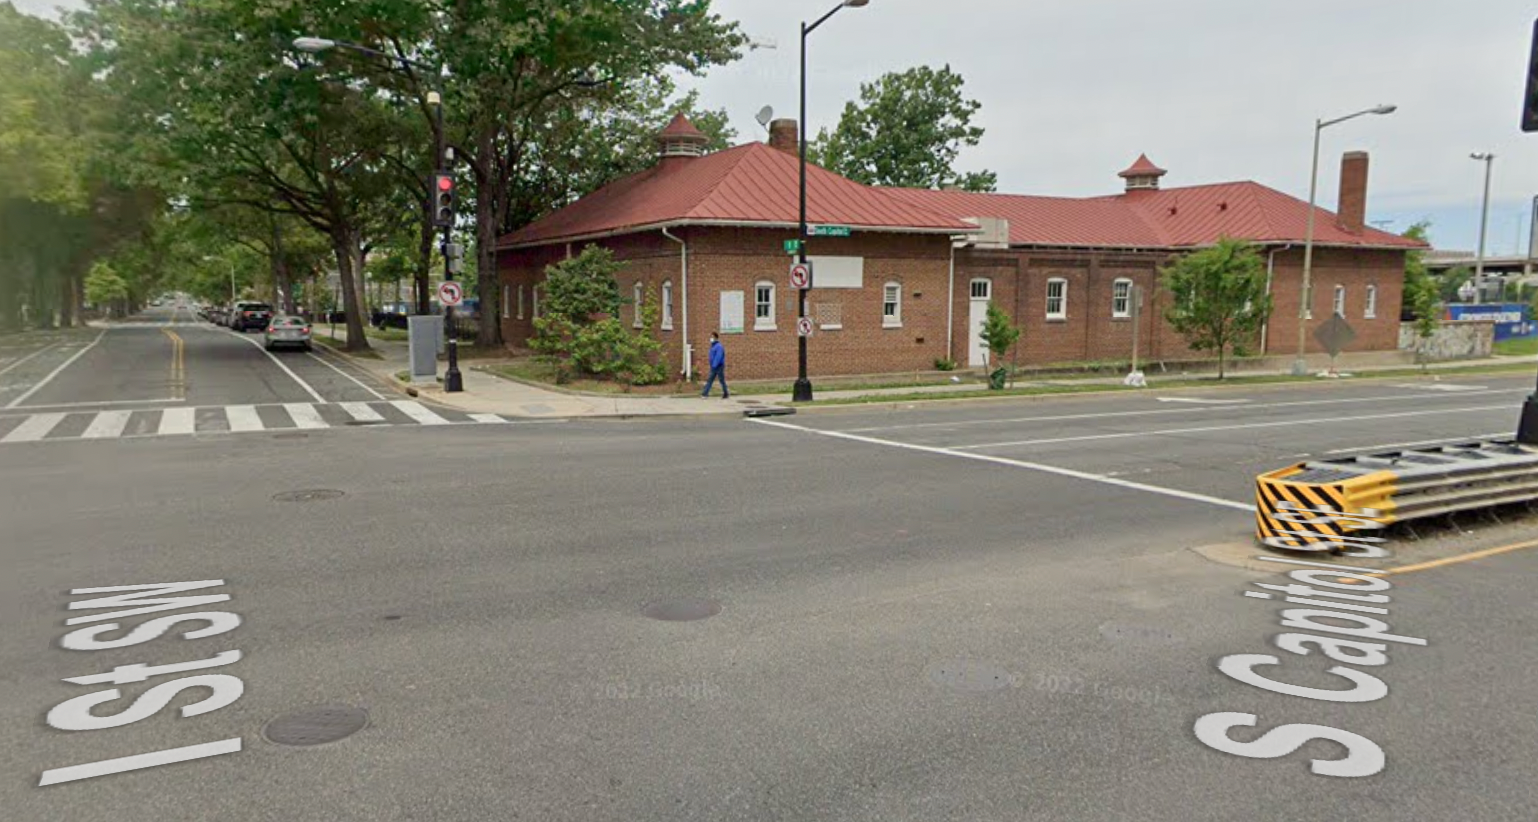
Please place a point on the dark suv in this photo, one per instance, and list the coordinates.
(246, 316)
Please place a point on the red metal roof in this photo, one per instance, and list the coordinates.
(1171, 218)
(1144, 167)
(680, 127)
(749, 184)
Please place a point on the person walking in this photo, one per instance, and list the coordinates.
(717, 366)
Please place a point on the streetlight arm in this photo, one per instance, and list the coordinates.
(821, 20)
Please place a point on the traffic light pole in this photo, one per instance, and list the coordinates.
(453, 381)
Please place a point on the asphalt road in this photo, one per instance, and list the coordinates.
(972, 611)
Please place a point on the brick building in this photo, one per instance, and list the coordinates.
(705, 235)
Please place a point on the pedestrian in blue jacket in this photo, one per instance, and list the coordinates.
(717, 366)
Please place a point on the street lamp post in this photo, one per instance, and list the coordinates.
(1484, 221)
(1300, 365)
(453, 381)
(802, 392)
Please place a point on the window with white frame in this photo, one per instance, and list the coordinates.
(507, 302)
(1057, 299)
(892, 306)
(667, 305)
(1121, 299)
(536, 302)
(763, 306)
(520, 301)
(1340, 300)
(637, 295)
(1370, 311)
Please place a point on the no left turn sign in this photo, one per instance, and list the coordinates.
(804, 327)
(801, 276)
(451, 294)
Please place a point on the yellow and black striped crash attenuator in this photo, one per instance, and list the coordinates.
(1324, 500)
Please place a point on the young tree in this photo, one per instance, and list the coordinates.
(999, 334)
(907, 130)
(1421, 292)
(1218, 298)
(105, 289)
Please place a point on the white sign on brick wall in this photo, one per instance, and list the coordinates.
(731, 312)
(838, 272)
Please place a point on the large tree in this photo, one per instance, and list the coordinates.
(908, 129)
(1218, 298)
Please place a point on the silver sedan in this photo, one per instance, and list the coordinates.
(288, 330)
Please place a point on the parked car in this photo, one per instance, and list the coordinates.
(246, 316)
(287, 330)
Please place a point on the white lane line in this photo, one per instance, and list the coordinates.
(305, 415)
(279, 363)
(178, 421)
(1196, 401)
(361, 412)
(1032, 466)
(361, 384)
(1470, 438)
(7, 369)
(107, 425)
(419, 412)
(35, 428)
(54, 373)
(243, 418)
(487, 418)
(1205, 429)
(1192, 410)
(96, 404)
(136, 762)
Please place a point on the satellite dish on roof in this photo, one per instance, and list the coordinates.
(765, 115)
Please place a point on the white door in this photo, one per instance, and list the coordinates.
(977, 350)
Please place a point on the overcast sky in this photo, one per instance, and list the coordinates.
(1213, 90)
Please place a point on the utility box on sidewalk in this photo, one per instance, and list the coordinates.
(426, 334)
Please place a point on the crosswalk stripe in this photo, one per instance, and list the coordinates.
(419, 412)
(107, 425)
(35, 428)
(486, 418)
(178, 421)
(243, 418)
(361, 412)
(305, 415)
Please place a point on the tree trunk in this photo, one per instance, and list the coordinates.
(486, 223)
(280, 273)
(360, 276)
(346, 251)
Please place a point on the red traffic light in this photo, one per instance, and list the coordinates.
(445, 182)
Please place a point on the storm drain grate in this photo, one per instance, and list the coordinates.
(682, 610)
(313, 495)
(316, 726)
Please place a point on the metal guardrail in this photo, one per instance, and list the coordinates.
(1375, 490)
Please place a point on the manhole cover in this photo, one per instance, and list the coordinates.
(316, 726)
(683, 610)
(969, 677)
(315, 495)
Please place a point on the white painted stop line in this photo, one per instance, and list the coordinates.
(107, 425)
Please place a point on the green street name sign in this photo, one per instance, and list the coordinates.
(792, 246)
(829, 231)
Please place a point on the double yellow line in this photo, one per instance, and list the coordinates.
(178, 363)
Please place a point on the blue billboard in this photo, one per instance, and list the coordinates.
(1512, 320)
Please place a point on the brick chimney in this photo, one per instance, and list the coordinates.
(785, 135)
(1351, 214)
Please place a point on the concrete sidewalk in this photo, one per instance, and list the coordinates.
(488, 393)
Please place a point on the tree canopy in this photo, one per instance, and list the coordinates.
(907, 129)
(1218, 298)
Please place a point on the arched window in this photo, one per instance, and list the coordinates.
(1121, 299)
(638, 295)
(667, 305)
(892, 305)
(763, 306)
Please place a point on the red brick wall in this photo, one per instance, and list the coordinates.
(723, 259)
